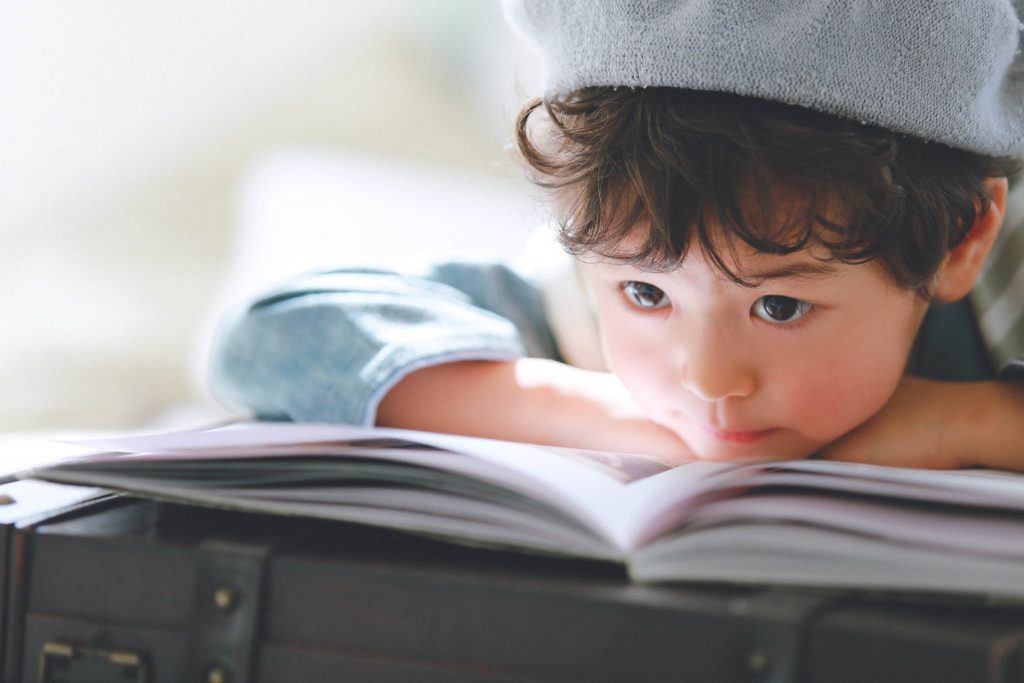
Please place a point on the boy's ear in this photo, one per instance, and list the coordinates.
(957, 274)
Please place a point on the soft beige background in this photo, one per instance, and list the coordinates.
(162, 159)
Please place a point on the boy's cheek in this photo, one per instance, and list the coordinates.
(634, 360)
(825, 408)
(813, 399)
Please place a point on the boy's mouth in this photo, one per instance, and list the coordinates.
(735, 435)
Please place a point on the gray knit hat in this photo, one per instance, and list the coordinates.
(943, 70)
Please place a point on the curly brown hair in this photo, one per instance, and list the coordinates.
(693, 166)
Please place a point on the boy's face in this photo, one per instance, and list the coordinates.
(776, 371)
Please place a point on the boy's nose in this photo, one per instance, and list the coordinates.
(714, 371)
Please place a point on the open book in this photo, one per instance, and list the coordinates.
(807, 523)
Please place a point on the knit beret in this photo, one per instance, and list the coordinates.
(948, 71)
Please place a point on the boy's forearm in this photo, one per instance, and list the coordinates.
(479, 398)
(990, 429)
(530, 400)
(944, 425)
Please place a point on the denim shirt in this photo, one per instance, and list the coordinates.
(328, 346)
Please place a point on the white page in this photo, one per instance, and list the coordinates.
(582, 490)
(657, 504)
(801, 555)
(628, 515)
(27, 499)
(947, 528)
(987, 488)
(516, 531)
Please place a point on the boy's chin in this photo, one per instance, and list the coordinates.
(769, 447)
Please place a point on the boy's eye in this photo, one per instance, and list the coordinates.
(644, 295)
(780, 309)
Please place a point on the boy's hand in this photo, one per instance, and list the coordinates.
(531, 400)
(941, 425)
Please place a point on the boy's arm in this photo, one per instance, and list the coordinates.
(942, 425)
(530, 399)
(443, 346)
(326, 346)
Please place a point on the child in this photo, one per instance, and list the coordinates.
(776, 216)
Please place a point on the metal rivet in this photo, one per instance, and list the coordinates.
(217, 674)
(225, 597)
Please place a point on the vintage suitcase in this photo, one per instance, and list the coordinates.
(24, 504)
(144, 591)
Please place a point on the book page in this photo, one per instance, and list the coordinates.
(626, 468)
(660, 504)
(586, 485)
(251, 438)
(627, 500)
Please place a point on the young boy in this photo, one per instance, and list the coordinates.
(776, 215)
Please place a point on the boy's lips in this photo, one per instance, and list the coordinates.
(739, 436)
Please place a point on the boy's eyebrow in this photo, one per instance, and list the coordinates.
(805, 270)
(793, 270)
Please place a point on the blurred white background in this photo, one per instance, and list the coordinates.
(161, 160)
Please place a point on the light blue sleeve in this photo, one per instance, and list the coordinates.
(327, 346)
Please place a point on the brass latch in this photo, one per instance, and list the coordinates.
(63, 663)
